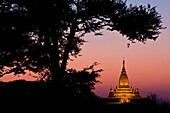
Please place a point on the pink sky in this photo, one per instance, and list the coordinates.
(147, 65)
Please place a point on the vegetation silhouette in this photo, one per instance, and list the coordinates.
(151, 104)
(41, 36)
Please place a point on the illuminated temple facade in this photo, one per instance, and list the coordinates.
(123, 93)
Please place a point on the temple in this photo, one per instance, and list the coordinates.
(123, 93)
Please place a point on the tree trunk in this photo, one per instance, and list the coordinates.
(55, 66)
(53, 51)
(67, 48)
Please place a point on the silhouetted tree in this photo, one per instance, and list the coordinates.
(152, 98)
(39, 35)
(81, 83)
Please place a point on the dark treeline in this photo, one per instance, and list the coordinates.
(40, 96)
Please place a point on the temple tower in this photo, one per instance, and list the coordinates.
(123, 80)
(123, 93)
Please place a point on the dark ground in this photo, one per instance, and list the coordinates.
(21, 97)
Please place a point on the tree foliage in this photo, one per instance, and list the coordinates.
(81, 83)
(41, 35)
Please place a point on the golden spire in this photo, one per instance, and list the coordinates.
(123, 80)
(123, 64)
(123, 68)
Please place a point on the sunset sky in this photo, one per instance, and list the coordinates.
(147, 65)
